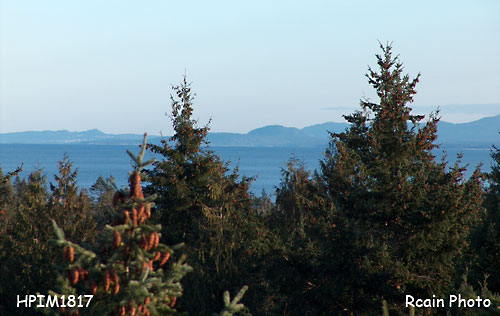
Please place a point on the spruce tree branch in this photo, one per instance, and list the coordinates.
(232, 307)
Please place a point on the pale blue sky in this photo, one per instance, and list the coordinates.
(106, 64)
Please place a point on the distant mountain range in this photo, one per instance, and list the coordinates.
(477, 134)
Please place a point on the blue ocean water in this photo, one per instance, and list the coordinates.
(94, 160)
(265, 163)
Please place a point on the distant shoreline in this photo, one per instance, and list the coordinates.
(478, 134)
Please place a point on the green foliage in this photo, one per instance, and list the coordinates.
(6, 193)
(70, 207)
(412, 215)
(485, 245)
(262, 204)
(102, 192)
(7, 196)
(298, 201)
(232, 307)
(26, 254)
(317, 270)
(382, 218)
(202, 203)
(127, 270)
(467, 291)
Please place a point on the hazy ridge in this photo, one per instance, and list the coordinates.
(477, 134)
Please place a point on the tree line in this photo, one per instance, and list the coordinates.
(381, 218)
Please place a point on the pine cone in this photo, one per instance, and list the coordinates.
(116, 289)
(157, 256)
(74, 276)
(83, 273)
(157, 240)
(165, 258)
(151, 241)
(71, 253)
(134, 217)
(140, 212)
(126, 215)
(173, 301)
(117, 239)
(135, 186)
(142, 218)
(107, 281)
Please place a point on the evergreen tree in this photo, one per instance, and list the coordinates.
(128, 271)
(301, 269)
(202, 203)
(297, 199)
(102, 192)
(7, 209)
(27, 256)
(485, 250)
(25, 252)
(263, 204)
(7, 202)
(69, 206)
(6, 194)
(314, 267)
(407, 215)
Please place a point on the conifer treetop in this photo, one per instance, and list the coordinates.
(139, 159)
(394, 89)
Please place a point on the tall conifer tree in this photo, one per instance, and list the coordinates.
(69, 206)
(203, 203)
(409, 214)
(485, 250)
(26, 254)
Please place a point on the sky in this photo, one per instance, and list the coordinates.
(79, 65)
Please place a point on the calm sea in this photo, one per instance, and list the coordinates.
(265, 163)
